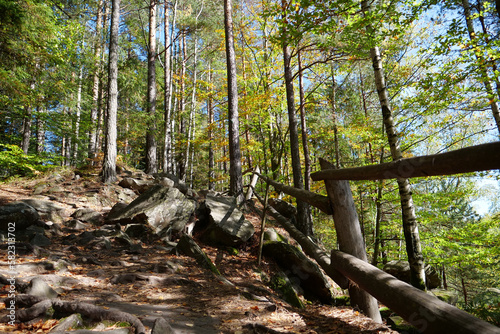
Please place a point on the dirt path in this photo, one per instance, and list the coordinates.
(152, 282)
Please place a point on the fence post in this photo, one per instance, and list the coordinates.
(349, 237)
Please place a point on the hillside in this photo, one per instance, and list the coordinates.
(149, 281)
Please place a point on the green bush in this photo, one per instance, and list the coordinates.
(486, 305)
(13, 162)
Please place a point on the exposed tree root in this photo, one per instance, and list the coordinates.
(39, 306)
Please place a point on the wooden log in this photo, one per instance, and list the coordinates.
(308, 246)
(470, 159)
(316, 200)
(426, 312)
(349, 237)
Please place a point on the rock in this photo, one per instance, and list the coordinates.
(46, 209)
(300, 270)
(88, 215)
(76, 224)
(286, 209)
(17, 216)
(161, 326)
(166, 210)
(40, 240)
(281, 284)
(139, 231)
(167, 180)
(270, 234)
(116, 210)
(227, 225)
(73, 320)
(447, 296)
(189, 247)
(401, 270)
(38, 287)
(136, 184)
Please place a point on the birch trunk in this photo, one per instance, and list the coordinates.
(484, 73)
(25, 141)
(410, 225)
(182, 107)
(151, 159)
(167, 130)
(235, 177)
(109, 165)
(40, 131)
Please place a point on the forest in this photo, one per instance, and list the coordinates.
(211, 90)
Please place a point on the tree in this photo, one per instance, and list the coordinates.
(236, 180)
(151, 160)
(109, 165)
(304, 223)
(410, 225)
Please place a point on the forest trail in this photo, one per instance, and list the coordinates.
(151, 282)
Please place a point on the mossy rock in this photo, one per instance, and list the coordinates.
(399, 324)
(281, 284)
(343, 300)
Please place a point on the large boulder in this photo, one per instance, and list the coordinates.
(164, 209)
(17, 216)
(46, 209)
(226, 224)
(401, 270)
(88, 215)
(138, 185)
(300, 270)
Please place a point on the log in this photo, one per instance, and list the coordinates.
(316, 200)
(349, 237)
(309, 247)
(426, 312)
(470, 159)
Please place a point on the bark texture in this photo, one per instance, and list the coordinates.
(304, 221)
(151, 159)
(484, 74)
(410, 226)
(350, 238)
(109, 165)
(236, 179)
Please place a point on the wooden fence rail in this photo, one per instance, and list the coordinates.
(470, 159)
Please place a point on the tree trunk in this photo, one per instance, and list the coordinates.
(211, 172)
(410, 226)
(303, 123)
(378, 217)
(40, 131)
(25, 142)
(235, 177)
(102, 102)
(109, 165)
(167, 130)
(76, 133)
(95, 87)
(151, 159)
(182, 107)
(304, 223)
(484, 74)
(334, 120)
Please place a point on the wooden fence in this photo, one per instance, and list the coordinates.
(348, 266)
